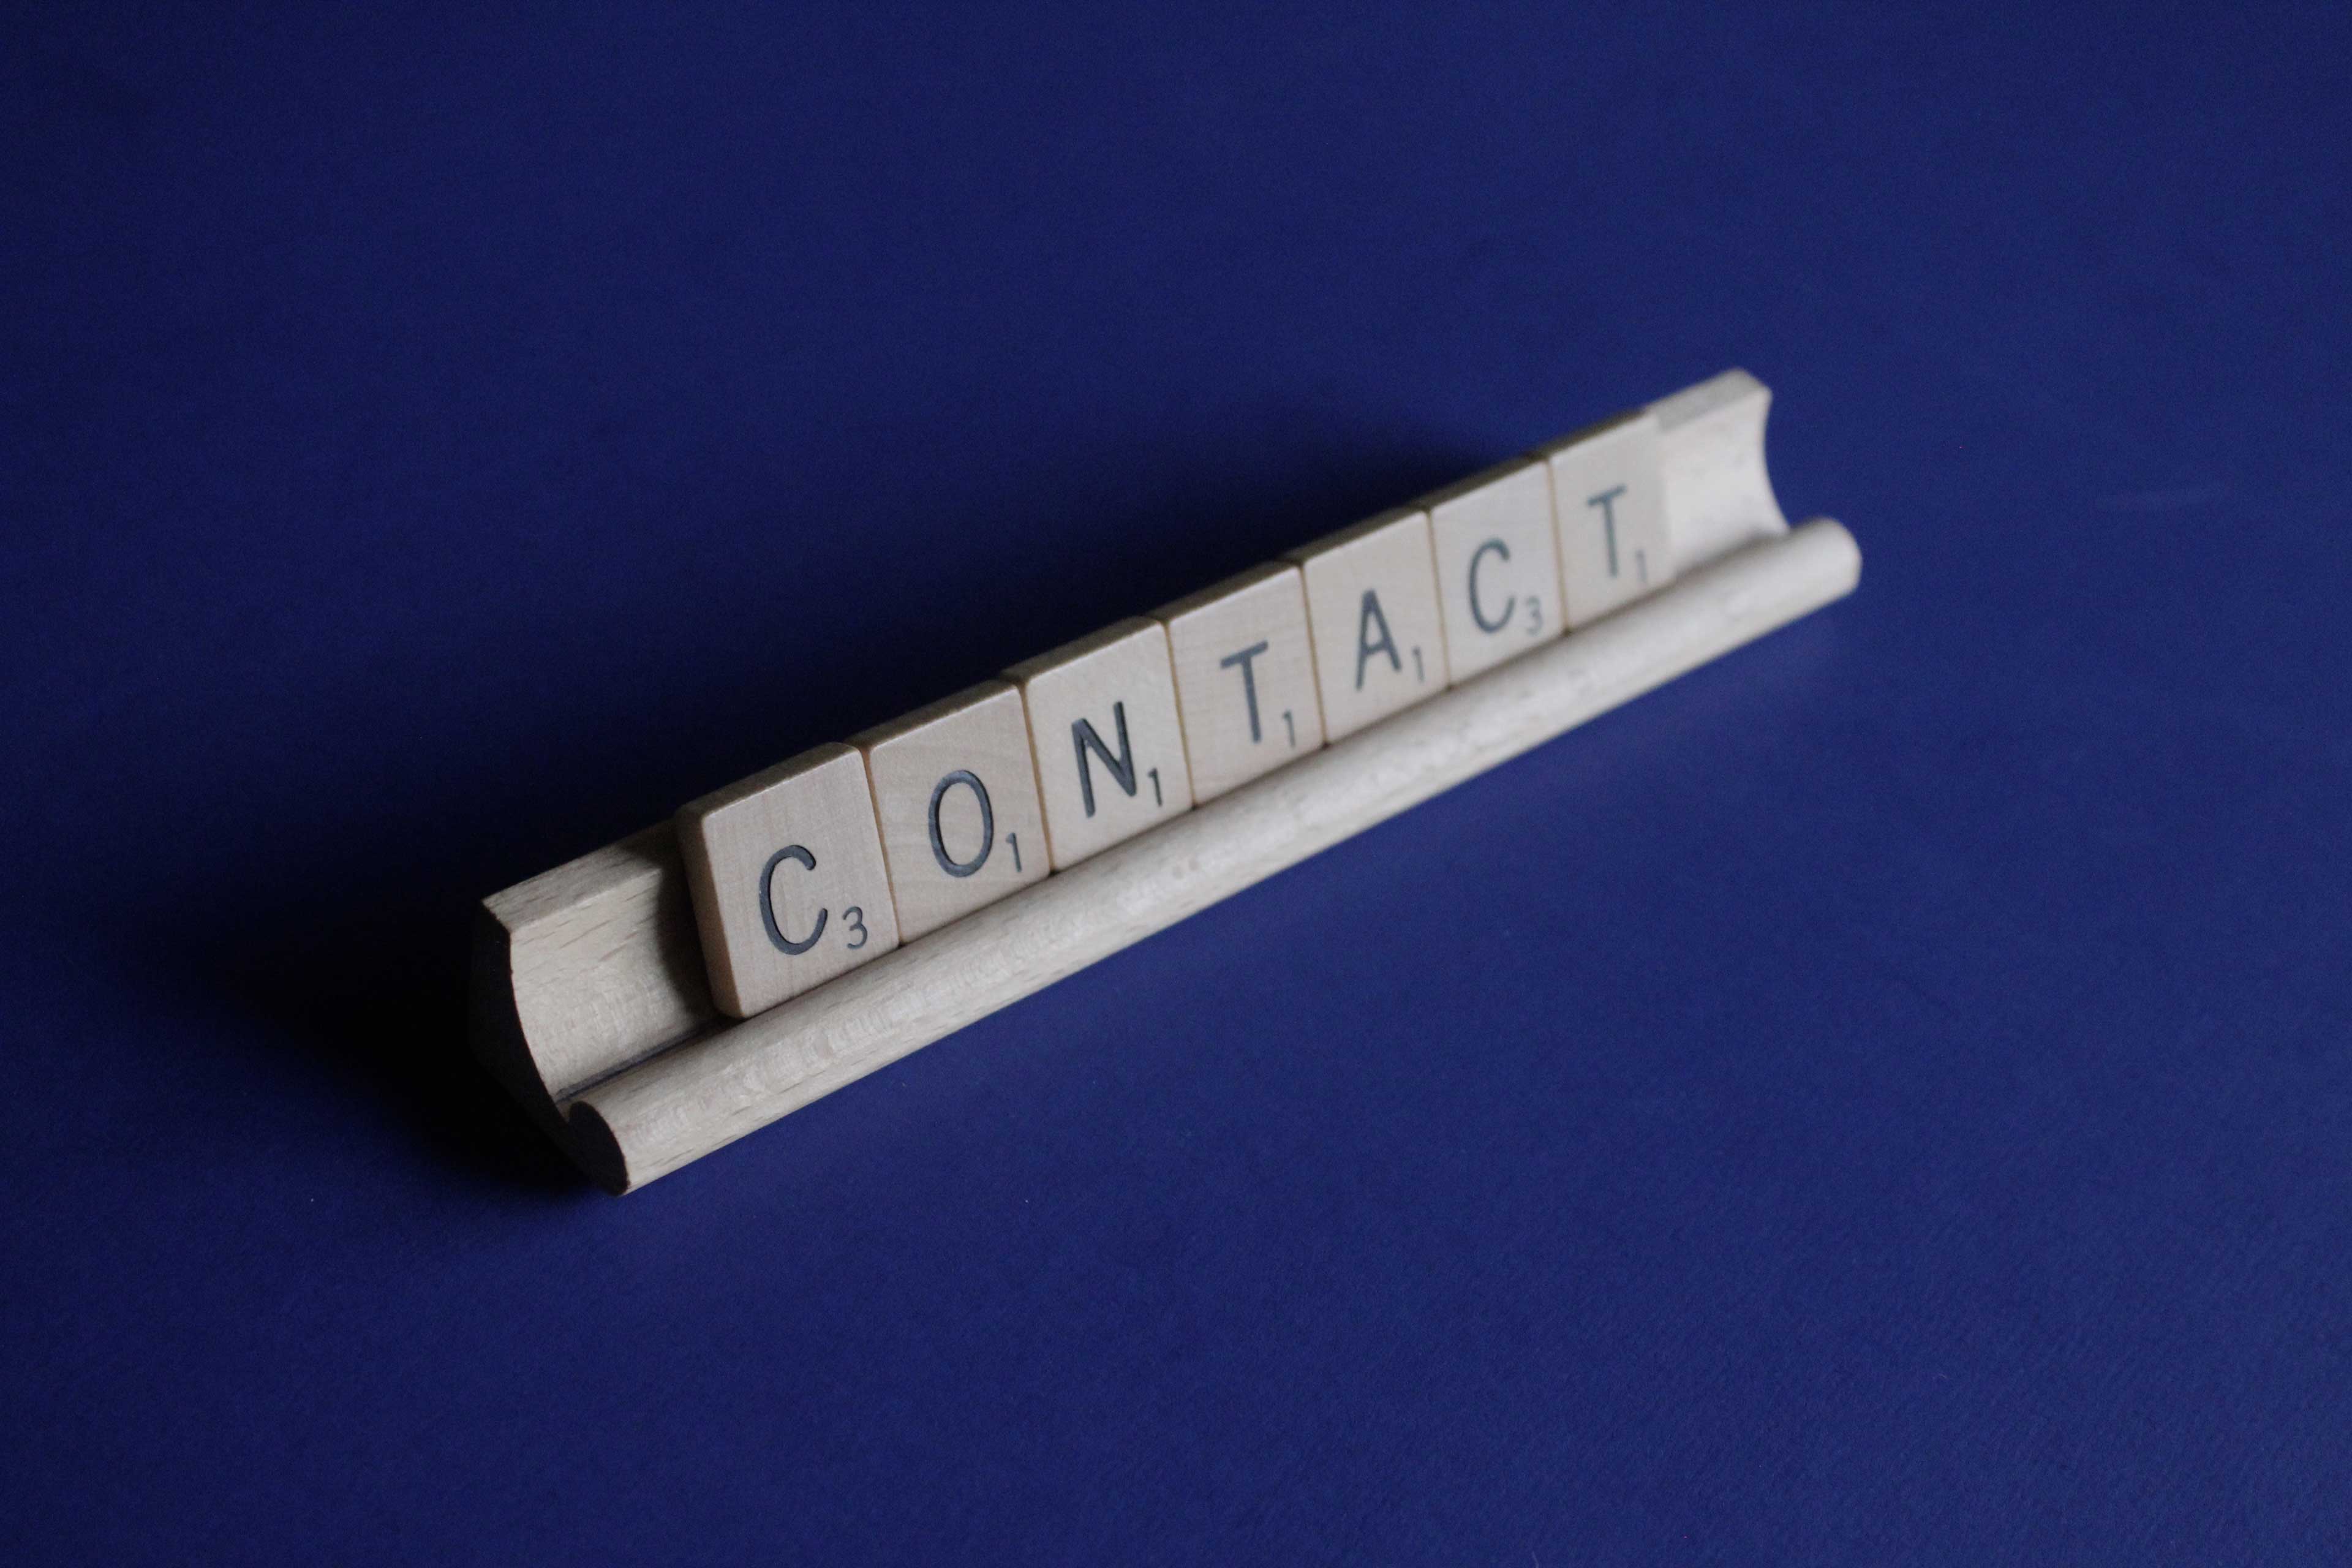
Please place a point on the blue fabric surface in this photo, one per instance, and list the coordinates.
(1883, 1098)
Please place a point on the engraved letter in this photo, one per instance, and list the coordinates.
(948, 863)
(1122, 766)
(768, 903)
(1607, 502)
(1249, 679)
(1477, 614)
(1366, 646)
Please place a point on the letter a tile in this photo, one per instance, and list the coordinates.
(788, 880)
(1103, 728)
(956, 791)
(1244, 676)
(1371, 609)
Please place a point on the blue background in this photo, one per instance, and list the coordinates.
(1884, 1098)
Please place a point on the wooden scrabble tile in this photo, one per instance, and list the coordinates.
(1244, 676)
(1103, 728)
(956, 792)
(788, 880)
(1371, 612)
(1609, 496)
(1497, 565)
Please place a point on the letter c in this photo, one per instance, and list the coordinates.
(1477, 614)
(768, 903)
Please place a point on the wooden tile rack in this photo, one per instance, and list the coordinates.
(590, 999)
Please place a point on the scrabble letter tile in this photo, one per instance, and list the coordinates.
(1497, 567)
(1371, 609)
(1244, 676)
(788, 880)
(1608, 492)
(956, 792)
(1103, 728)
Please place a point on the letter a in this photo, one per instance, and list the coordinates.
(1366, 646)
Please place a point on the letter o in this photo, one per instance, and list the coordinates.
(949, 863)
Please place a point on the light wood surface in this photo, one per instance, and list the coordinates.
(1371, 611)
(1497, 565)
(1608, 493)
(789, 884)
(588, 967)
(955, 790)
(1244, 676)
(1108, 746)
(650, 1120)
(1711, 445)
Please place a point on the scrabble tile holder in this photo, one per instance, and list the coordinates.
(590, 998)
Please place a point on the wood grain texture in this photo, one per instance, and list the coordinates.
(955, 790)
(789, 885)
(1108, 746)
(588, 967)
(1497, 565)
(1371, 611)
(1244, 676)
(650, 1120)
